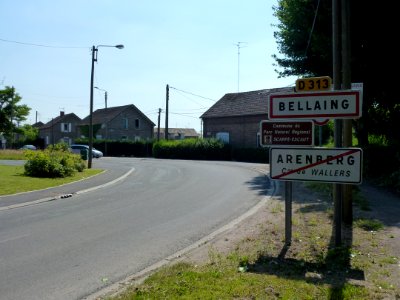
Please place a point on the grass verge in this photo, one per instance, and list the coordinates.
(13, 180)
(259, 266)
(12, 154)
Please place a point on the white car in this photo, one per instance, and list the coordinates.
(76, 148)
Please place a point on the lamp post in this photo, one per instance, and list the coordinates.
(94, 58)
(105, 119)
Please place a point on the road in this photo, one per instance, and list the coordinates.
(70, 248)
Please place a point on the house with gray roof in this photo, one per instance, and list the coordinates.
(177, 133)
(236, 117)
(125, 122)
(63, 128)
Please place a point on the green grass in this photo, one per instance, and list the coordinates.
(13, 180)
(225, 281)
(369, 224)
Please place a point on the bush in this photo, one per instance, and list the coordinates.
(55, 161)
(202, 149)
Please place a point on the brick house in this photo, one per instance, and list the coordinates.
(119, 123)
(177, 133)
(63, 128)
(236, 117)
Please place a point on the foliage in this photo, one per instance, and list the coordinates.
(10, 112)
(369, 224)
(28, 133)
(55, 161)
(303, 56)
(204, 149)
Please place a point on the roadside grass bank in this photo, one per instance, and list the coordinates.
(12, 154)
(257, 265)
(13, 180)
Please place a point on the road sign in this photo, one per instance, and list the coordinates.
(342, 104)
(339, 165)
(323, 83)
(287, 133)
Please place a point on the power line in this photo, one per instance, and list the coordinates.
(193, 94)
(312, 28)
(42, 45)
(183, 115)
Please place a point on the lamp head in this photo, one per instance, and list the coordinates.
(119, 46)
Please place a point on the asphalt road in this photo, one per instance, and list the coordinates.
(71, 248)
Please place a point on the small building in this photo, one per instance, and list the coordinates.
(63, 128)
(177, 133)
(119, 123)
(236, 117)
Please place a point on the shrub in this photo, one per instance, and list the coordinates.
(55, 161)
(202, 149)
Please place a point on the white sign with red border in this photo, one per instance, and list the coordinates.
(342, 104)
(337, 165)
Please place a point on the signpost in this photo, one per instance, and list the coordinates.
(333, 105)
(338, 165)
(316, 101)
(287, 133)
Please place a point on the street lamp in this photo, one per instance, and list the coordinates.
(94, 58)
(105, 119)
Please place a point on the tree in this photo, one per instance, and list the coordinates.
(28, 133)
(11, 114)
(373, 56)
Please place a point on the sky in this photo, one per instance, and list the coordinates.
(45, 53)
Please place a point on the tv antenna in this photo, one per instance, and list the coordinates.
(239, 46)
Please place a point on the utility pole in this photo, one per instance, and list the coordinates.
(105, 99)
(166, 112)
(346, 85)
(36, 117)
(158, 129)
(336, 47)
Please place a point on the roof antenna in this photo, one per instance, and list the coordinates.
(239, 46)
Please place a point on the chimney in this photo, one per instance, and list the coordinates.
(61, 113)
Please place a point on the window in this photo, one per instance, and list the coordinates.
(66, 127)
(125, 123)
(223, 136)
(137, 123)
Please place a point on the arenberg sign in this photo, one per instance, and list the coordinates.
(338, 165)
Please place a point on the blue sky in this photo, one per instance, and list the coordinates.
(190, 45)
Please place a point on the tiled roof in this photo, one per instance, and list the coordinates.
(107, 114)
(243, 104)
(175, 131)
(57, 120)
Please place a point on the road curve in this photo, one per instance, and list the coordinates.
(68, 249)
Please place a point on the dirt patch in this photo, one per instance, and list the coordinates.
(368, 257)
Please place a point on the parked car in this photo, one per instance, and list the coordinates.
(76, 148)
(28, 147)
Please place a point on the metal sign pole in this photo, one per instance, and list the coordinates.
(288, 212)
